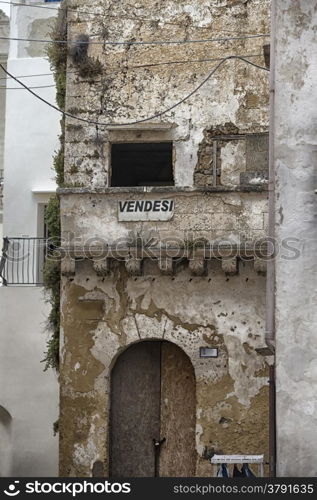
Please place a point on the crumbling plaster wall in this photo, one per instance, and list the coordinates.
(126, 91)
(295, 147)
(105, 315)
(235, 217)
(102, 316)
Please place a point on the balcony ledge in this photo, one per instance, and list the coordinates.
(163, 189)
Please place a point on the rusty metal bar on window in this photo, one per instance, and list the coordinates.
(214, 163)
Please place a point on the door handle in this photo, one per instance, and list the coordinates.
(157, 443)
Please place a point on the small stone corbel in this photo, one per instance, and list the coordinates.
(166, 266)
(260, 265)
(198, 266)
(230, 265)
(102, 267)
(68, 266)
(134, 266)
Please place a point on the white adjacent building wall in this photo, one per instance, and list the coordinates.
(28, 395)
(295, 156)
(4, 48)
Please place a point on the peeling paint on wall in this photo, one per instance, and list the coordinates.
(231, 389)
(192, 304)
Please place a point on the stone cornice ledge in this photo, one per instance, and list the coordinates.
(163, 189)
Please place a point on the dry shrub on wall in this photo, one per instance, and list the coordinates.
(57, 53)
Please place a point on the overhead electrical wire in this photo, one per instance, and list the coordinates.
(143, 120)
(140, 42)
(132, 18)
(3, 87)
(137, 66)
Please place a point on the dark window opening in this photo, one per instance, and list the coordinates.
(142, 164)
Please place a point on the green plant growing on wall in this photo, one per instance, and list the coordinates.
(88, 67)
(56, 427)
(51, 275)
(57, 54)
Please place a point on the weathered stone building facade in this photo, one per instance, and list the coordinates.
(199, 282)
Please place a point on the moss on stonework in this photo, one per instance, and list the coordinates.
(57, 54)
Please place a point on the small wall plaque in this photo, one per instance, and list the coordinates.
(208, 352)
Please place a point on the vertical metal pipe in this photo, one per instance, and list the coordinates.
(272, 419)
(28, 263)
(33, 264)
(270, 287)
(14, 264)
(270, 283)
(23, 255)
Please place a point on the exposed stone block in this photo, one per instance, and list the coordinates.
(257, 152)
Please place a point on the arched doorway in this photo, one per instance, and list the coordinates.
(153, 410)
(6, 443)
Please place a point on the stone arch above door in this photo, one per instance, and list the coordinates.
(139, 327)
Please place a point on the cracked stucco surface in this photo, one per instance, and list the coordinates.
(296, 213)
(237, 93)
(102, 316)
(235, 217)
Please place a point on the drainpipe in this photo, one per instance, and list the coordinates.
(269, 349)
(270, 283)
(270, 287)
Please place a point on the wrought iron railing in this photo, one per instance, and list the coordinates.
(22, 261)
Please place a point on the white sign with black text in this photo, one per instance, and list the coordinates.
(143, 210)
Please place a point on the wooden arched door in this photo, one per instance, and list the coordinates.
(153, 407)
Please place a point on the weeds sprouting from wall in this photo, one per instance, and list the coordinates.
(57, 54)
(88, 67)
(56, 427)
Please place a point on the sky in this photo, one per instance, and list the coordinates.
(6, 8)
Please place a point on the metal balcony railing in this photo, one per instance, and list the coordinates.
(22, 261)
